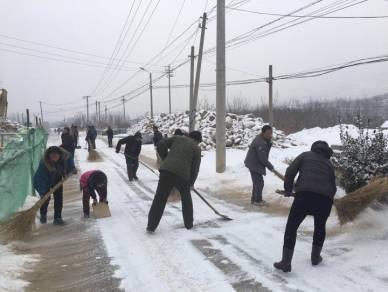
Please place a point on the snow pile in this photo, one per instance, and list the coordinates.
(331, 135)
(240, 129)
(9, 126)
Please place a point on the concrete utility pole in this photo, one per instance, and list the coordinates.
(96, 110)
(151, 100)
(106, 112)
(199, 65)
(87, 108)
(41, 111)
(99, 111)
(270, 100)
(28, 117)
(192, 58)
(220, 89)
(123, 100)
(169, 75)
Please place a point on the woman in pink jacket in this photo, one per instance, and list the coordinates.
(91, 182)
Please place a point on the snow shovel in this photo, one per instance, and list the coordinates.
(224, 217)
(101, 210)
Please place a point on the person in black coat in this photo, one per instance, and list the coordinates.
(315, 189)
(109, 133)
(68, 142)
(131, 152)
(91, 135)
(156, 140)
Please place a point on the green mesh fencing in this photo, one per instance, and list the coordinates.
(18, 161)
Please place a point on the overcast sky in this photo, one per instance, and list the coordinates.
(92, 27)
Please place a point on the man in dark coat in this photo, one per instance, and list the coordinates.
(181, 159)
(257, 162)
(68, 142)
(315, 189)
(156, 140)
(55, 164)
(91, 135)
(74, 133)
(109, 133)
(131, 152)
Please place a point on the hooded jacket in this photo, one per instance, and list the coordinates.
(50, 173)
(257, 156)
(316, 172)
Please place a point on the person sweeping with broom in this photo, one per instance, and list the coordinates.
(131, 152)
(315, 189)
(54, 166)
(181, 159)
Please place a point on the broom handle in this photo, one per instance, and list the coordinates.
(278, 174)
(43, 199)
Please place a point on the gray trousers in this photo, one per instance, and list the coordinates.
(258, 185)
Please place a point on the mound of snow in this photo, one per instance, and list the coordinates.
(240, 129)
(330, 135)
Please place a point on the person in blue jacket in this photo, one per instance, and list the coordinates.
(55, 165)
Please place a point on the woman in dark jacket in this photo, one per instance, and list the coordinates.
(315, 189)
(55, 164)
(68, 142)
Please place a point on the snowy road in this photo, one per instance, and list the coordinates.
(218, 255)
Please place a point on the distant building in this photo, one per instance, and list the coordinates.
(3, 103)
(384, 125)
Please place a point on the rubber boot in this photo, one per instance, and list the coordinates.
(316, 258)
(285, 263)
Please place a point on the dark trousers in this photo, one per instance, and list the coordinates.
(88, 193)
(132, 167)
(167, 181)
(91, 144)
(307, 203)
(110, 141)
(58, 204)
(257, 186)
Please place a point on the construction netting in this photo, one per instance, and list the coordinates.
(19, 160)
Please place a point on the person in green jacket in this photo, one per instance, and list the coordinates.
(181, 159)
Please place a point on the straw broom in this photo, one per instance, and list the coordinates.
(93, 155)
(20, 224)
(351, 205)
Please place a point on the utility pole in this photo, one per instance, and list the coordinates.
(106, 113)
(96, 111)
(199, 64)
(41, 110)
(220, 89)
(169, 75)
(28, 117)
(270, 92)
(123, 100)
(99, 111)
(87, 108)
(151, 101)
(192, 58)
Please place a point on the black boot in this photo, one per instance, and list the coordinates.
(316, 258)
(285, 263)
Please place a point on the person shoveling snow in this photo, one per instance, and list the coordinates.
(91, 182)
(181, 159)
(131, 152)
(257, 162)
(315, 189)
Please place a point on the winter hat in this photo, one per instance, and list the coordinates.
(178, 132)
(53, 149)
(138, 135)
(98, 178)
(321, 147)
(196, 135)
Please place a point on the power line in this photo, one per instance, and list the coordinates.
(305, 16)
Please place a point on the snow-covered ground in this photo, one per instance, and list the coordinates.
(12, 267)
(236, 255)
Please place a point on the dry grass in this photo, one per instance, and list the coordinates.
(21, 224)
(351, 205)
(94, 156)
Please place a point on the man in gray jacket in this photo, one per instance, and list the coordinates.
(257, 162)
